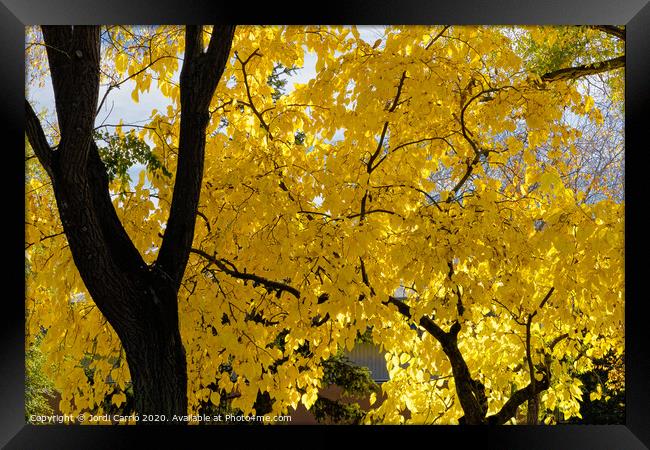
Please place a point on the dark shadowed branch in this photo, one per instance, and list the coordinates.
(572, 73)
(199, 77)
(228, 268)
(611, 30)
(37, 139)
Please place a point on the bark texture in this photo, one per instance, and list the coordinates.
(471, 392)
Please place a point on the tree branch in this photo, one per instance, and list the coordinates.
(193, 42)
(44, 238)
(117, 84)
(532, 400)
(425, 322)
(73, 54)
(220, 40)
(478, 152)
(557, 340)
(37, 139)
(436, 38)
(465, 177)
(611, 30)
(199, 77)
(107, 260)
(545, 299)
(471, 393)
(228, 268)
(391, 151)
(520, 396)
(572, 73)
(421, 191)
(369, 166)
(372, 211)
(250, 103)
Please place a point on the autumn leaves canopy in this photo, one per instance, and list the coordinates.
(439, 194)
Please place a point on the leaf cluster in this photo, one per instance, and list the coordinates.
(121, 152)
(39, 388)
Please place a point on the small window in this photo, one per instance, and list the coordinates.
(369, 355)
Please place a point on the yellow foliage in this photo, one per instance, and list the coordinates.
(393, 126)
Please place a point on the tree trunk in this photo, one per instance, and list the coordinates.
(139, 301)
(156, 359)
(155, 354)
(159, 377)
(533, 410)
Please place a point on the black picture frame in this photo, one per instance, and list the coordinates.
(635, 14)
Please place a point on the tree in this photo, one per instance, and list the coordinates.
(434, 161)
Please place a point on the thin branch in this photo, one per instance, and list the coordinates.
(548, 295)
(364, 202)
(45, 238)
(557, 340)
(119, 83)
(516, 318)
(315, 213)
(436, 38)
(373, 211)
(478, 152)
(207, 222)
(468, 172)
(228, 268)
(380, 144)
(399, 92)
(365, 278)
(407, 144)
(127, 125)
(421, 191)
(250, 103)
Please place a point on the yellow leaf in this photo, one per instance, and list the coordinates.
(121, 63)
(118, 398)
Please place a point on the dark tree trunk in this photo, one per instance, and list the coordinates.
(156, 359)
(139, 301)
(533, 410)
